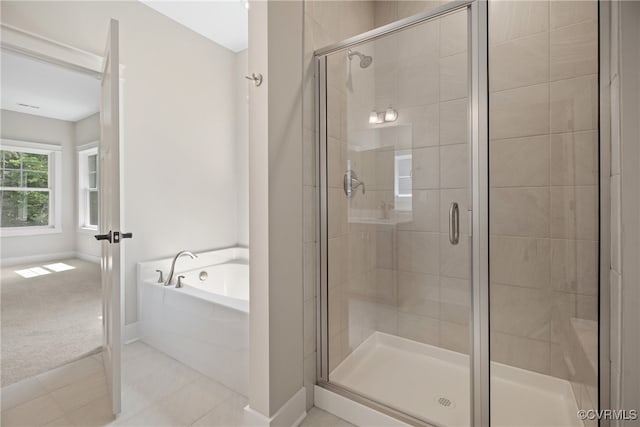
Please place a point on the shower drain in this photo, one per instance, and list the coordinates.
(443, 401)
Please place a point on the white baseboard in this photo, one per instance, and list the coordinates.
(131, 332)
(351, 411)
(31, 259)
(290, 414)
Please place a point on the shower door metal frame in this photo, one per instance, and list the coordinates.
(605, 17)
(479, 187)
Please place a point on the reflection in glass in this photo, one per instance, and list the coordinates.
(398, 292)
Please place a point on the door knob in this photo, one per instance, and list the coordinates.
(113, 237)
(106, 237)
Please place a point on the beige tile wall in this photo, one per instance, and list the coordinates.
(544, 194)
(403, 278)
(325, 22)
(431, 276)
(406, 279)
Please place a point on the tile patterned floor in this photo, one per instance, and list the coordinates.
(156, 391)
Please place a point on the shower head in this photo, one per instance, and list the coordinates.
(365, 60)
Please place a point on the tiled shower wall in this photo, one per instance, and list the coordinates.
(543, 123)
(544, 188)
(422, 72)
(399, 275)
(326, 22)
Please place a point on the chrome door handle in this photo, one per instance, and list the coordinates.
(454, 223)
(351, 183)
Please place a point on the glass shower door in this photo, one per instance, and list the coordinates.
(395, 189)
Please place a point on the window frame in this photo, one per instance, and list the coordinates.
(54, 151)
(403, 202)
(84, 211)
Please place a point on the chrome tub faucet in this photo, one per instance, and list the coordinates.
(170, 280)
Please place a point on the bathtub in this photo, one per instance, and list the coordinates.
(204, 324)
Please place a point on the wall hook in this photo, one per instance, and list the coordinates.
(257, 80)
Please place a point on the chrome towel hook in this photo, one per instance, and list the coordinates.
(257, 80)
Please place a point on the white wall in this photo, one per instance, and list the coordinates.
(275, 159)
(87, 130)
(177, 118)
(242, 144)
(27, 127)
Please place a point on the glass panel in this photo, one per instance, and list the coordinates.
(93, 208)
(10, 160)
(11, 178)
(93, 180)
(35, 179)
(543, 167)
(403, 166)
(35, 162)
(404, 187)
(92, 162)
(24, 208)
(25, 170)
(398, 290)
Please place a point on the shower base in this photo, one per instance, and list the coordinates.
(432, 383)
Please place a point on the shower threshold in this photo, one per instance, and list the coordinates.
(432, 384)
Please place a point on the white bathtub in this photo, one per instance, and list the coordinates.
(229, 280)
(204, 324)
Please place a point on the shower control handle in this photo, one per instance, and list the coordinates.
(454, 223)
(351, 183)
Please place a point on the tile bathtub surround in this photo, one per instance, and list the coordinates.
(543, 182)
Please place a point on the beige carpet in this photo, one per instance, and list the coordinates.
(48, 320)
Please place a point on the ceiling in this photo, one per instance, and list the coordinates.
(43, 89)
(222, 21)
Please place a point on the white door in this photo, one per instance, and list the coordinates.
(109, 185)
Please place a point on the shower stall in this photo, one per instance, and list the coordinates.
(459, 215)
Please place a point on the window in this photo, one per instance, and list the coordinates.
(88, 186)
(27, 182)
(403, 181)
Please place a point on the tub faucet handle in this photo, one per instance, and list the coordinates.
(160, 279)
(179, 284)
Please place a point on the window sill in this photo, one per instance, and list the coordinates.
(29, 231)
(88, 230)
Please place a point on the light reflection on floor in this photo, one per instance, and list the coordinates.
(46, 269)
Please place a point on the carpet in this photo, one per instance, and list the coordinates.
(48, 320)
